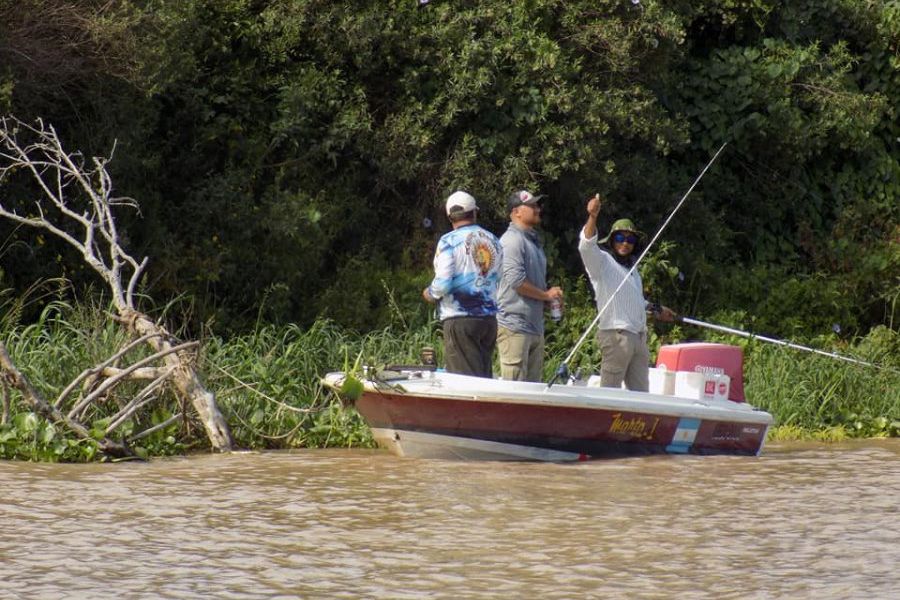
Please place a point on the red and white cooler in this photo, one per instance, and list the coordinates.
(705, 370)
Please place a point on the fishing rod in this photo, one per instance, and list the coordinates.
(753, 336)
(562, 372)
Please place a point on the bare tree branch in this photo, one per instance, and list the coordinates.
(4, 414)
(44, 158)
(138, 402)
(75, 203)
(124, 373)
(136, 374)
(13, 377)
(99, 368)
(155, 428)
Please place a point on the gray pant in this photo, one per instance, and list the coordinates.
(469, 345)
(625, 357)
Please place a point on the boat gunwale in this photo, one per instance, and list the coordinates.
(566, 396)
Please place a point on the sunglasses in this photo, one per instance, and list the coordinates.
(620, 237)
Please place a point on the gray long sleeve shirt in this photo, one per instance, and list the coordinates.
(523, 258)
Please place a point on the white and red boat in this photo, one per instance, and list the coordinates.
(695, 406)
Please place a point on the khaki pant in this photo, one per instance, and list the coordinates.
(521, 355)
(625, 357)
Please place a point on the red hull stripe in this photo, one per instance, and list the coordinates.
(589, 431)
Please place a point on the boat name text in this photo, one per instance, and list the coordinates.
(636, 427)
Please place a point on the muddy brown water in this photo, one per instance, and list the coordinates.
(801, 521)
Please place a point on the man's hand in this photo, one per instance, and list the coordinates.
(593, 209)
(427, 295)
(554, 293)
(593, 206)
(664, 314)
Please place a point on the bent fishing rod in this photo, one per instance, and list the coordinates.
(762, 338)
(562, 372)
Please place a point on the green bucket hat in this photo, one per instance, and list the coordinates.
(623, 225)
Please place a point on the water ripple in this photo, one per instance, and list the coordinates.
(800, 521)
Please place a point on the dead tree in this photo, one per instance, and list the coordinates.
(76, 204)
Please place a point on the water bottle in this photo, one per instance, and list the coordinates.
(556, 309)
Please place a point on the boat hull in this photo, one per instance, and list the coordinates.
(451, 416)
(418, 444)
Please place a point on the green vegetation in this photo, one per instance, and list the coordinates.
(267, 383)
(290, 158)
(281, 150)
(819, 397)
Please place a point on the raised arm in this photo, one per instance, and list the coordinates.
(593, 209)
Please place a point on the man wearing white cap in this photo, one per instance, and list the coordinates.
(523, 294)
(467, 266)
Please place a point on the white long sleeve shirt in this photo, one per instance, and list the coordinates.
(628, 308)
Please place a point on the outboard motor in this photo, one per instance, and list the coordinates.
(712, 361)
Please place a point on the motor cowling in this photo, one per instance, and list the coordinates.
(707, 358)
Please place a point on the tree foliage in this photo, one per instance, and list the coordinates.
(290, 156)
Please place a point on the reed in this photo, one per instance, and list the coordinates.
(268, 381)
(812, 396)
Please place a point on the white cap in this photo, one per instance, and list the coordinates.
(460, 202)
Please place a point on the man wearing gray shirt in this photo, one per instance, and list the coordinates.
(523, 293)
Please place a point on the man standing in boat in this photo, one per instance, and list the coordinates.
(524, 294)
(467, 266)
(622, 328)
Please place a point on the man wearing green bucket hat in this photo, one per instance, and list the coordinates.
(622, 327)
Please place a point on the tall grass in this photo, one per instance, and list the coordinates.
(812, 395)
(268, 386)
(268, 382)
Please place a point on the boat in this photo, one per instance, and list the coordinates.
(695, 406)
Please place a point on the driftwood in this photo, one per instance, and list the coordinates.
(76, 204)
(15, 379)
